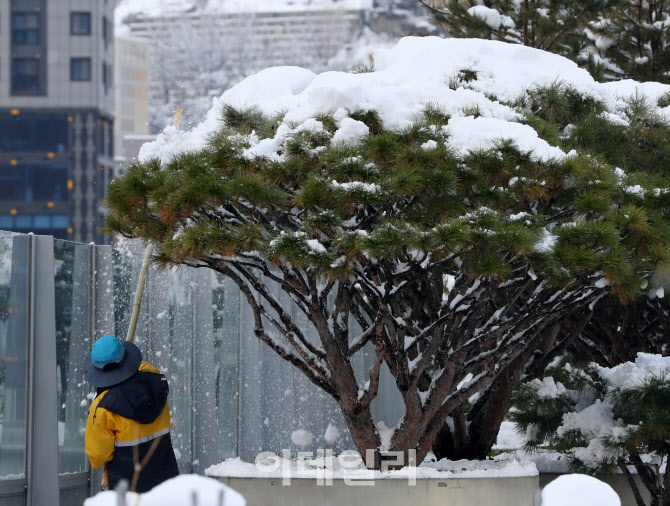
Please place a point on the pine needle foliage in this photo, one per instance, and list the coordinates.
(381, 225)
(613, 39)
(603, 429)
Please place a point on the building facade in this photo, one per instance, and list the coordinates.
(131, 98)
(195, 56)
(56, 116)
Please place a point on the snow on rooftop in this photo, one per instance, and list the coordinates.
(416, 73)
(285, 5)
(158, 8)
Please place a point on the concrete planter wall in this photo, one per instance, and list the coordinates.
(518, 491)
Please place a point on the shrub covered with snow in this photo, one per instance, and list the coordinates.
(446, 212)
(604, 419)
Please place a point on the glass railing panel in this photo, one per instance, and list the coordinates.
(226, 318)
(180, 318)
(73, 288)
(127, 262)
(164, 331)
(14, 318)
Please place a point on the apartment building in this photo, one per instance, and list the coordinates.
(56, 116)
(131, 98)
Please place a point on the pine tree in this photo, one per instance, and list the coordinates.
(633, 40)
(613, 39)
(617, 332)
(614, 330)
(456, 271)
(605, 421)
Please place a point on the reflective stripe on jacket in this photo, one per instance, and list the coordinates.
(125, 422)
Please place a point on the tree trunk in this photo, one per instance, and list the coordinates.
(487, 414)
(364, 433)
(484, 418)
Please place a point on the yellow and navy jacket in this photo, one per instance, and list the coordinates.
(132, 414)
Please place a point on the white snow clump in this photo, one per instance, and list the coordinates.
(406, 79)
(579, 490)
(176, 492)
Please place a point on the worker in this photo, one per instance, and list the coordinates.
(128, 427)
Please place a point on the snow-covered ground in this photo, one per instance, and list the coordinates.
(508, 438)
(184, 490)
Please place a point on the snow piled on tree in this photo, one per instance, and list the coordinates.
(633, 373)
(594, 419)
(471, 80)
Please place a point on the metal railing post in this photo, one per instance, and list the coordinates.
(42, 469)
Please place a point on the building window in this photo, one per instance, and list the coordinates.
(61, 221)
(25, 75)
(80, 69)
(25, 222)
(30, 132)
(80, 23)
(26, 28)
(102, 132)
(47, 224)
(41, 221)
(104, 30)
(34, 183)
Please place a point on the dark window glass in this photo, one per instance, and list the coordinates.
(34, 133)
(12, 184)
(104, 30)
(101, 137)
(80, 23)
(33, 183)
(80, 69)
(48, 183)
(24, 221)
(26, 28)
(58, 224)
(41, 221)
(25, 74)
(61, 221)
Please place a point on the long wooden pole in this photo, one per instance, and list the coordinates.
(138, 293)
(137, 305)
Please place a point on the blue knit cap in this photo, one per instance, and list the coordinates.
(107, 350)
